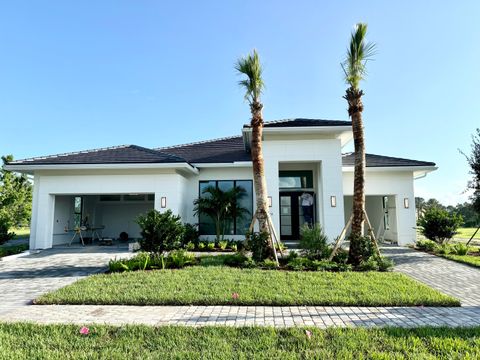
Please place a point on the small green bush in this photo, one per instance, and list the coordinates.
(443, 249)
(314, 242)
(300, 264)
(439, 225)
(235, 260)
(426, 245)
(233, 247)
(222, 245)
(12, 250)
(211, 246)
(5, 234)
(190, 246)
(202, 246)
(249, 263)
(160, 231)
(258, 244)
(385, 263)
(178, 259)
(363, 249)
(191, 234)
(460, 249)
(370, 264)
(269, 264)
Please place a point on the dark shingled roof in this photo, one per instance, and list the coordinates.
(300, 122)
(224, 150)
(130, 154)
(384, 161)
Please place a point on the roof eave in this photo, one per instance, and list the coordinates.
(31, 168)
(415, 169)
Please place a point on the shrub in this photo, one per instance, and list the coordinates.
(211, 246)
(341, 256)
(178, 259)
(142, 261)
(13, 249)
(191, 234)
(426, 245)
(364, 249)
(222, 245)
(258, 243)
(235, 260)
(190, 246)
(269, 264)
(370, 264)
(384, 263)
(202, 246)
(313, 242)
(460, 249)
(443, 249)
(249, 263)
(439, 225)
(5, 235)
(299, 264)
(160, 231)
(234, 247)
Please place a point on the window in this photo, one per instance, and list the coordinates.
(386, 218)
(296, 179)
(240, 225)
(77, 211)
(134, 197)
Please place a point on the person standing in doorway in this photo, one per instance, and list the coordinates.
(307, 207)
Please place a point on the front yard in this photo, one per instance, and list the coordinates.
(28, 341)
(220, 285)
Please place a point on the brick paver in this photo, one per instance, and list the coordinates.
(452, 278)
(23, 279)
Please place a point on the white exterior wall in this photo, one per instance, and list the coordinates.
(398, 184)
(326, 153)
(46, 186)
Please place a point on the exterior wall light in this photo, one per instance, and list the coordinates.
(163, 202)
(270, 201)
(406, 203)
(333, 201)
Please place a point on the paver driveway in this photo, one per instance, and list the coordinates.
(24, 278)
(450, 277)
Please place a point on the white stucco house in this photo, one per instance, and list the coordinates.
(112, 186)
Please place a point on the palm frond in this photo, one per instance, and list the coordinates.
(359, 53)
(251, 67)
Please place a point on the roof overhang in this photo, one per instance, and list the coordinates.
(344, 133)
(31, 168)
(418, 171)
(235, 164)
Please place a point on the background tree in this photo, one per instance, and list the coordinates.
(221, 206)
(474, 163)
(354, 67)
(15, 200)
(251, 67)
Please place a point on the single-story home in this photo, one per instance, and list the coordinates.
(110, 187)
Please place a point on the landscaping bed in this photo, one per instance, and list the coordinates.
(458, 252)
(12, 249)
(221, 285)
(128, 342)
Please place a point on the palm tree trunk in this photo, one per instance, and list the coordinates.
(355, 108)
(259, 181)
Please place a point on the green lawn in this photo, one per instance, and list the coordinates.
(466, 233)
(214, 285)
(28, 341)
(466, 259)
(21, 232)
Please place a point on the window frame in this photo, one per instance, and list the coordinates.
(308, 174)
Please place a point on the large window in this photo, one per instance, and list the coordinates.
(296, 179)
(239, 226)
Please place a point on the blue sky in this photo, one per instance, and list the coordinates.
(88, 74)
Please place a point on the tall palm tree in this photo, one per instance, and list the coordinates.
(354, 67)
(251, 67)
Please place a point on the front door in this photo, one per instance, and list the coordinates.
(291, 215)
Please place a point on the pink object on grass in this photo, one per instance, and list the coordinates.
(235, 296)
(84, 330)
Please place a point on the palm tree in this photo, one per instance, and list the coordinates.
(354, 67)
(251, 67)
(221, 206)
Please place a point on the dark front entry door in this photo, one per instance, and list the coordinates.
(291, 215)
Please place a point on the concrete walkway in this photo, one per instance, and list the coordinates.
(23, 279)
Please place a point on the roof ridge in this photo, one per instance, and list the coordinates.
(70, 153)
(197, 142)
